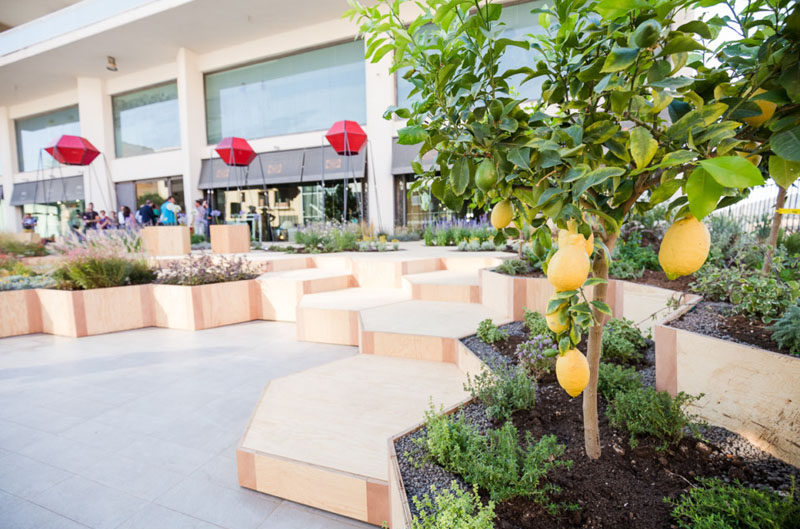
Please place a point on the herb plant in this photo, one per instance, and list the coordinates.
(489, 333)
(88, 272)
(786, 331)
(453, 508)
(613, 379)
(538, 354)
(623, 342)
(503, 390)
(205, 270)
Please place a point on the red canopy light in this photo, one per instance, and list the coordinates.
(73, 150)
(236, 151)
(346, 137)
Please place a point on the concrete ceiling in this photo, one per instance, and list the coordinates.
(200, 25)
(16, 12)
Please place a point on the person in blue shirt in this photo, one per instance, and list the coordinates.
(167, 213)
(148, 218)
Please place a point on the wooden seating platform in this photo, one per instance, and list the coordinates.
(282, 291)
(319, 437)
(444, 285)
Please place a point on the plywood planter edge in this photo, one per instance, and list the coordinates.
(748, 390)
(198, 307)
(166, 240)
(230, 238)
(21, 313)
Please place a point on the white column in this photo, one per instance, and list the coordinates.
(8, 165)
(94, 107)
(380, 95)
(191, 107)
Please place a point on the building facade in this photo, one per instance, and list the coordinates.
(184, 75)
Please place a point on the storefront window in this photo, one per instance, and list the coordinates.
(146, 120)
(518, 22)
(37, 132)
(159, 190)
(418, 208)
(55, 219)
(300, 93)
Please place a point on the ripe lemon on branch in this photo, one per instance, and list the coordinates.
(572, 372)
(684, 248)
(767, 111)
(502, 214)
(569, 267)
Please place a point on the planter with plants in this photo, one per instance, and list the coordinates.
(19, 303)
(207, 291)
(518, 443)
(166, 240)
(230, 238)
(96, 294)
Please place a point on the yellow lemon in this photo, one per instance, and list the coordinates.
(588, 244)
(572, 372)
(502, 213)
(767, 110)
(555, 324)
(684, 248)
(754, 159)
(569, 266)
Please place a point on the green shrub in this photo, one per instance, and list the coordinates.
(786, 331)
(495, 461)
(630, 259)
(719, 505)
(645, 412)
(613, 379)
(503, 390)
(792, 243)
(23, 249)
(197, 238)
(714, 282)
(23, 282)
(623, 341)
(761, 297)
(453, 508)
(489, 333)
(535, 323)
(205, 270)
(90, 272)
(538, 355)
(514, 267)
(427, 235)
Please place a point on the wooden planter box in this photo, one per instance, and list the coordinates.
(206, 306)
(166, 240)
(19, 313)
(230, 238)
(748, 390)
(77, 313)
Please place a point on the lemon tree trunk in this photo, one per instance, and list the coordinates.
(591, 426)
(774, 230)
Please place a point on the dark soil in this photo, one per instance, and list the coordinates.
(626, 487)
(657, 278)
(713, 319)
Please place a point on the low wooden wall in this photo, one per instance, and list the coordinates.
(206, 306)
(166, 240)
(748, 390)
(230, 238)
(20, 313)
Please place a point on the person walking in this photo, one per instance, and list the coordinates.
(147, 214)
(89, 218)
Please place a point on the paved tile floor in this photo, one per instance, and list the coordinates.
(137, 430)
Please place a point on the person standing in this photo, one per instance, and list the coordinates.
(103, 222)
(207, 220)
(128, 221)
(147, 214)
(28, 222)
(89, 218)
(200, 221)
(168, 212)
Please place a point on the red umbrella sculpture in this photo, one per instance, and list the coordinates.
(75, 151)
(347, 138)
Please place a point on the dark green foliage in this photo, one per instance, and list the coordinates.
(197, 238)
(513, 267)
(623, 342)
(792, 243)
(786, 331)
(535, 323)
(489, 333)
(503, 390)
(613, 379)
(645, 412)
(495, 461)
(453, 508)
(719, 505)
(86, 273)
(631, 259)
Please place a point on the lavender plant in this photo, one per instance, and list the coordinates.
(537, 355)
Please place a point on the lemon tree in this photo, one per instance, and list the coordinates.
(628, 118)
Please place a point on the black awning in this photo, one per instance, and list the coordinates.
(48, 191)
(403, 155)
(281, 167)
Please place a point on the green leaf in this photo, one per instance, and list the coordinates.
(411, 135)
(703, 192)
(554, 305)
(592, 281)
(677, 158)
(602, 307)
(681, 43)
(643, 147)
(619, 59)
(672, 82)
(784, 172)
(520, 156)
(786, 144)
(697, 27)
(459, 176)
(664, 191)
(733, 171)
(600, 131)
(612, 9)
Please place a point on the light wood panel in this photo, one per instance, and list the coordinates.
(62, 312)
(327, 326)
(282, 291)
(20, 313)
(166, 240)
(206, 306)
(230, 238)
(411, 346)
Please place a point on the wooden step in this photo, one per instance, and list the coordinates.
(444, 285)
(282, 291)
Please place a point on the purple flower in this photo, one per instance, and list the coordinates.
(215, 213)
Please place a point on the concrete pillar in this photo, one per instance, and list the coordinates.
(94, 107)
(191, 108)
(380, 95)
(8, 166)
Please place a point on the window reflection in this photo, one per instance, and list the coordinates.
(146, 120)
(300, 93)
(37, 132)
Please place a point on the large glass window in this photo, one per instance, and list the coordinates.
(518, 22)
(300, 93)
(146, 120)
(37, 132)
